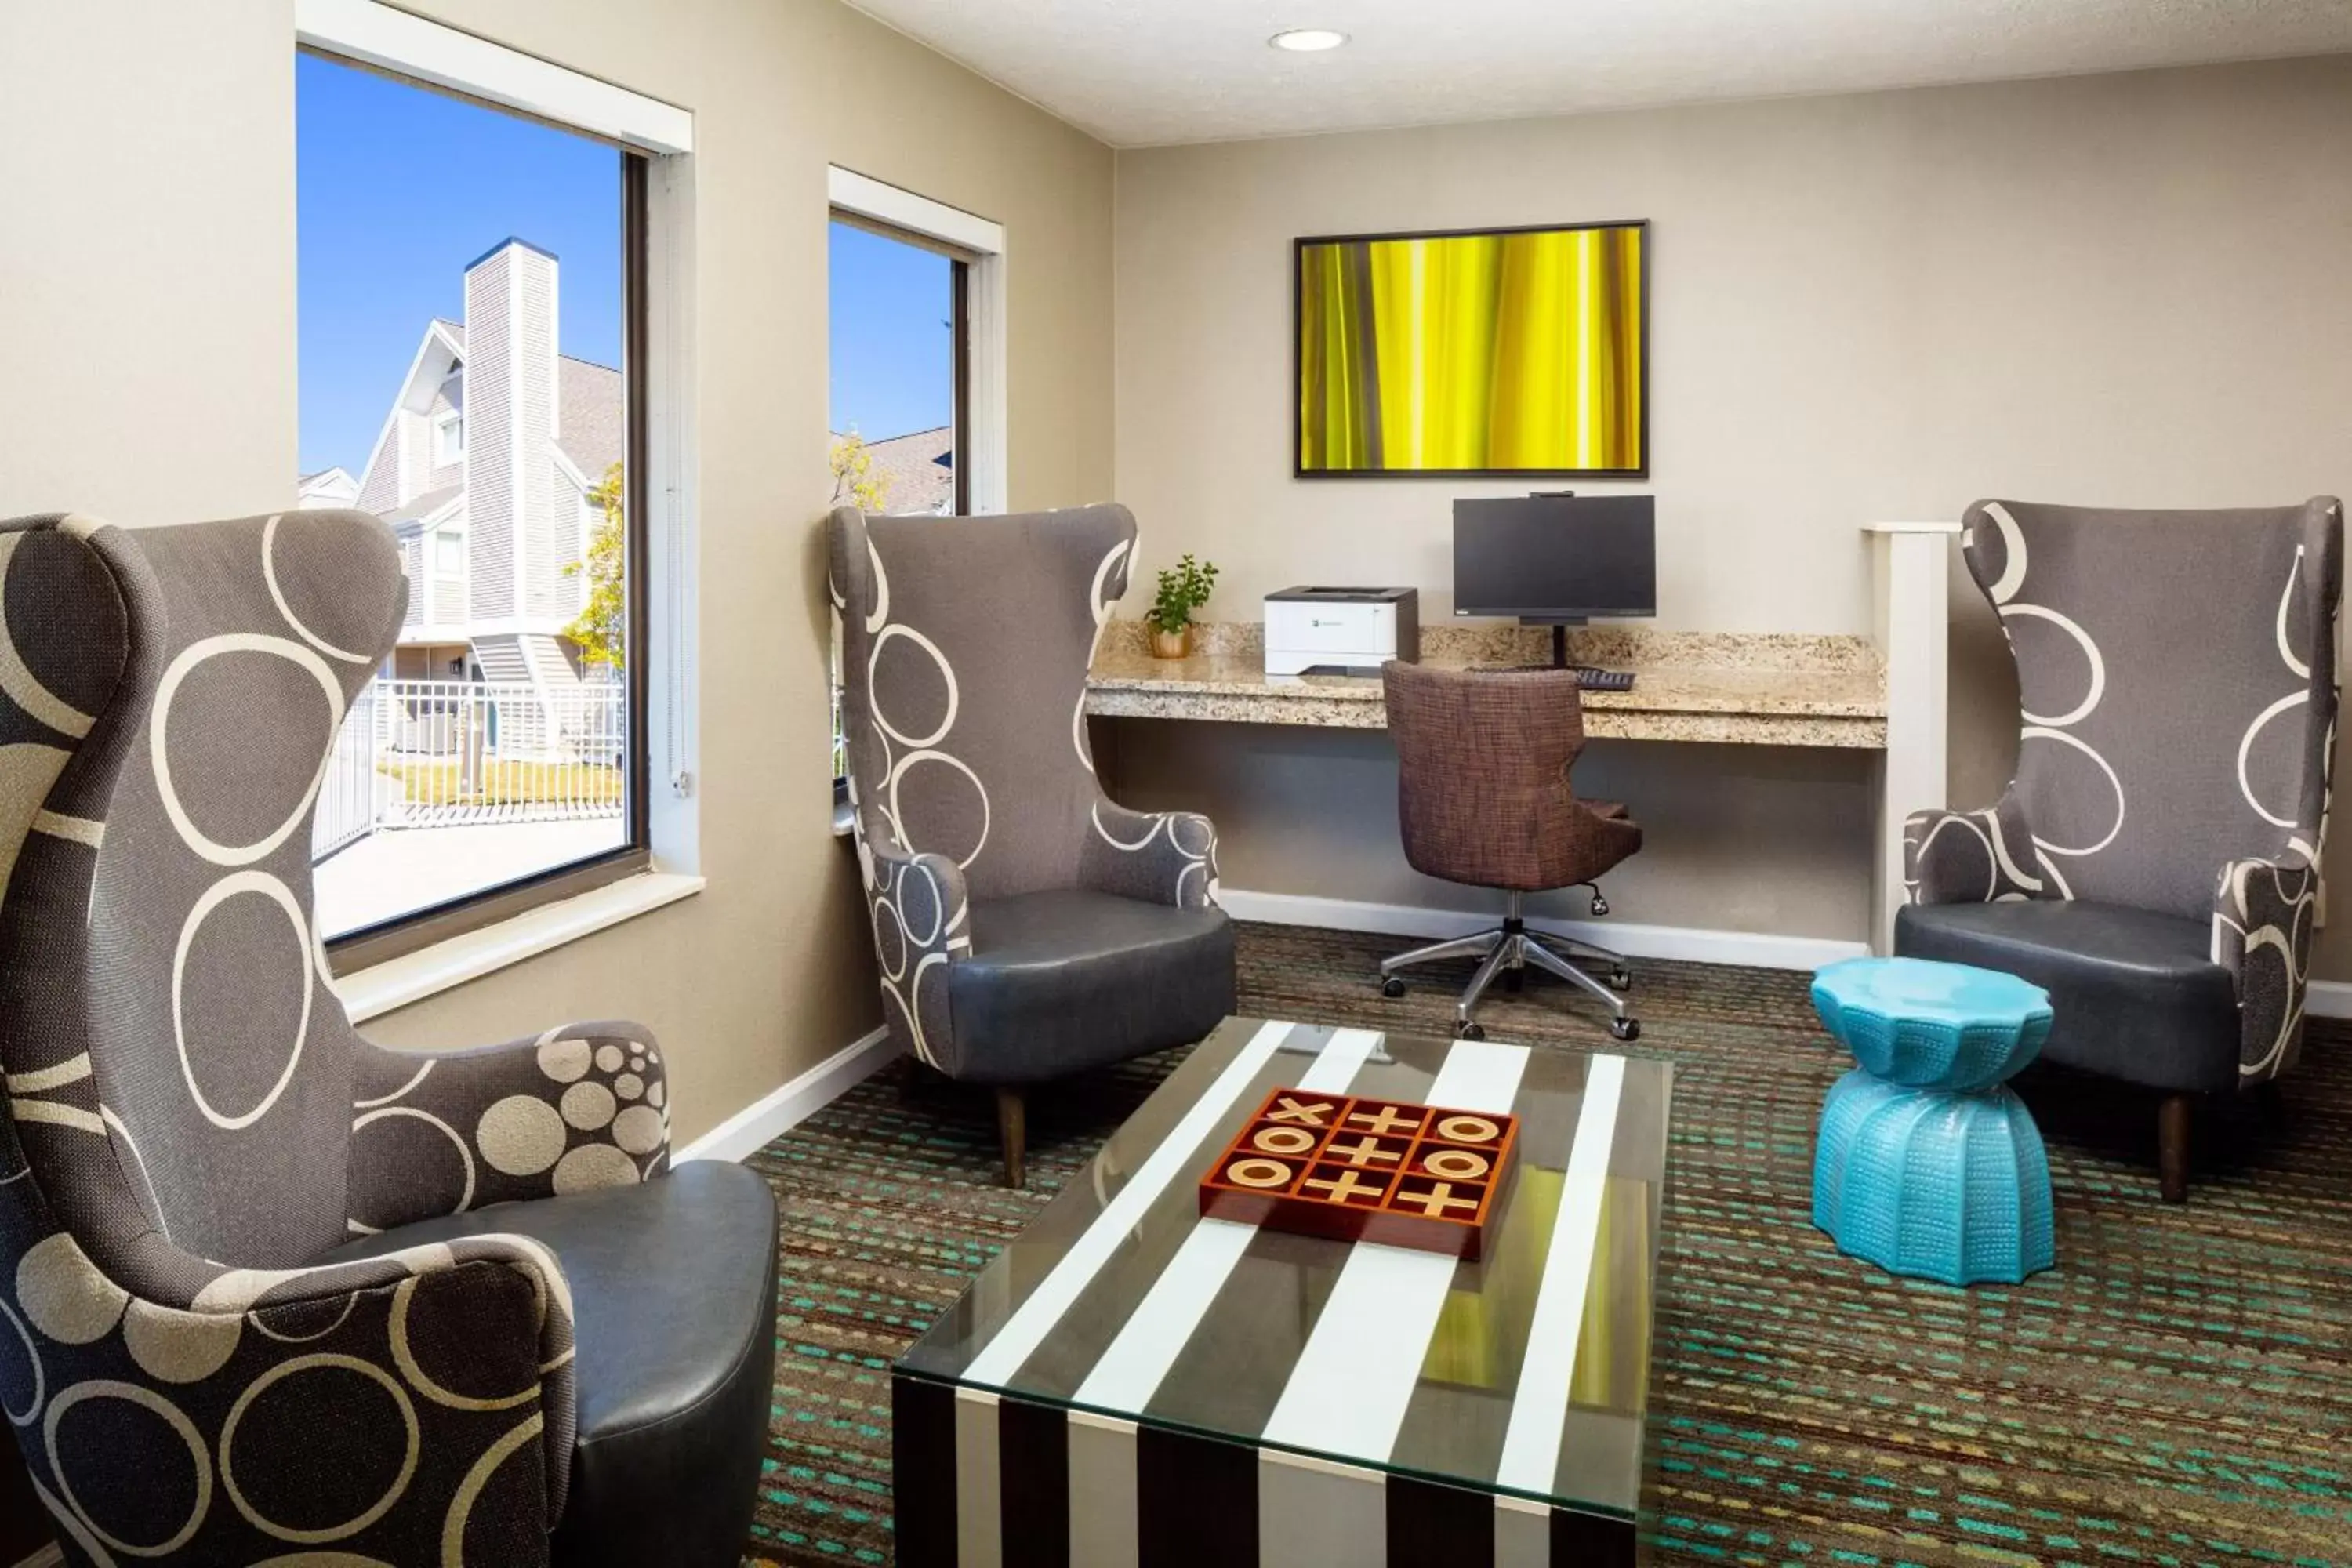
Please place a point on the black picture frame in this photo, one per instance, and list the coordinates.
(1299, 470)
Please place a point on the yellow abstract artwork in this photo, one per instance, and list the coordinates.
(1507, 353)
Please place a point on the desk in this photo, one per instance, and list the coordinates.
(1883, 693)
(1766, 690)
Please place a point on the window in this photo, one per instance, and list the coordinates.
(898, 307)
(510, 769)
(899, 380)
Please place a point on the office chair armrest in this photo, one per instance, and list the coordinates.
(1156, 857)
(2262, 913)
(921, 915)
(449, 1365)
(1970, 857)
(580, 1106)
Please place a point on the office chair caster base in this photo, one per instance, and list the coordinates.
(1515, 980)
(1625, 1028)
(1391, 988)
(1472, 1031)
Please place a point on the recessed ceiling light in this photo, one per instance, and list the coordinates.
(1307, 41)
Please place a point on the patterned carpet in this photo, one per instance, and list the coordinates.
(2177, 1391)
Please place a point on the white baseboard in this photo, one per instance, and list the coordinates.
(1688, 943)
(758, 1124)
(2328, 999)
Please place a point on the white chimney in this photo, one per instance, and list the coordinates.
(511, 537)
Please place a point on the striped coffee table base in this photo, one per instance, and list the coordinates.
(990, 1481)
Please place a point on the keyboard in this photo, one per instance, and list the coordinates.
(1595, 679)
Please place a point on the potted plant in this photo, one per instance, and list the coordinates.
(1183, 588)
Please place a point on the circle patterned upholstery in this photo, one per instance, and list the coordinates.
(193, 1124)
(2177, 711)
(965, 779)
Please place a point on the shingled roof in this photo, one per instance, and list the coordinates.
(920, 466)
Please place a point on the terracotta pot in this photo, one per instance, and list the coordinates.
(1173, 645)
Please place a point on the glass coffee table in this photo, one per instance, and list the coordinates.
(1131, 1383)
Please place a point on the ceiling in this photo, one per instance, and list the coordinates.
(1146, 72)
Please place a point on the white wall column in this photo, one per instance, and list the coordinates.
(1909, 578)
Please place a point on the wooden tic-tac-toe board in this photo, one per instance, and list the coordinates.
(1354, 1168)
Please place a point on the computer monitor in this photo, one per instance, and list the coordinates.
(1556, 559)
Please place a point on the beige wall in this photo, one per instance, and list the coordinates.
(2128, 290)
(147, 306)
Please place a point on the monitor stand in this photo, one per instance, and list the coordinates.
(1595, 679)
(1559, 643)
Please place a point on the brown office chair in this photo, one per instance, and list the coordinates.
(1482, 798)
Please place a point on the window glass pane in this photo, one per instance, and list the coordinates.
(893, 373)
(895, 353)
(462, 305)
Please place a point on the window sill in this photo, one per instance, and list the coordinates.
(402, 982)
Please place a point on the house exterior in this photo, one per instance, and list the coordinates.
(920, 468)
(484, 468)
(327, 490)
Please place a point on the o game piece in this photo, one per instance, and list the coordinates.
(1468, 1129)
(1282, 1139)
(1258, 1173)
(1459, 1163)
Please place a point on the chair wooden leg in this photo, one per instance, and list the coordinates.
(1012, 1131)
(2173, 1120)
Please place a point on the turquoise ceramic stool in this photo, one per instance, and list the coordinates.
(1926, 1163)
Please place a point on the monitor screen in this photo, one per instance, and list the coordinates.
(1556, 557)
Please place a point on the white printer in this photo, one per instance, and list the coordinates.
(1350, 630)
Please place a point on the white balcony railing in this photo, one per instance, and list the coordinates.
(442, 754)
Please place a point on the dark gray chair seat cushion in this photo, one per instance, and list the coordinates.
(674, 1288)
(1070, 978)
(2136, 995)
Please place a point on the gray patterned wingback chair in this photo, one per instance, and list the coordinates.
(2155, 863)
(268, 1293)
(1026, 925)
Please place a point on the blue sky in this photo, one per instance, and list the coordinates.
(396, 189)
(892, 367)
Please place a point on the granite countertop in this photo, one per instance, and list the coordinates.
(1775, 688)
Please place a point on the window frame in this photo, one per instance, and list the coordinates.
(959, 405)
(448, 437)
(982, 481)
(982, 396)
(960, 265)
(473, 912)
